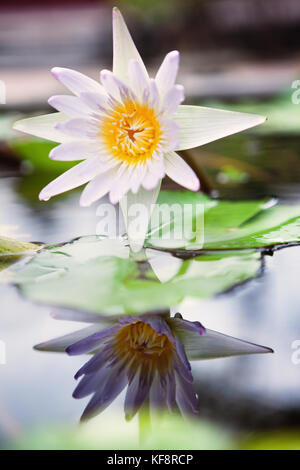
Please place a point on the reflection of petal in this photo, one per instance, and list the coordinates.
(137, 392)
(150, 353)
(214, 344)
(91, 342)
(79, 316)
(63, 342)
(113, 386)
(164, 265)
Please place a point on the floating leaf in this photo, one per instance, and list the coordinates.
(203, 223)
(97, 275)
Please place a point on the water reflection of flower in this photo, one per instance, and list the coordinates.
(148, 353)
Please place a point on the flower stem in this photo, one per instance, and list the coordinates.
(144, 423)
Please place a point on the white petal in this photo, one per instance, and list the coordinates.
(80, 128)
(139, 80)
(70, 105)
(214, 344)
(156, 166)
(166, 75)
(180, 172)
(44, 127)
(95, 101)
(173, 98)
(122, 183)
(74, 151)
(170, 131)
(150, 181)
(98, 187)
(154, 96)
(137, 229)
(124, 48)
(137, 177)
(199, 125)
(76, 176)
(76, 82)
(113, 85)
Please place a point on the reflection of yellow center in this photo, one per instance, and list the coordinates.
(139, 344)
(131, 132)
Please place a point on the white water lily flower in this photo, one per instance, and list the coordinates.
(127, 129)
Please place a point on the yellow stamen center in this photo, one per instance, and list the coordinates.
(140, 344)
(131, 132)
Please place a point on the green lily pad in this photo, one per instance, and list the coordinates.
(97, 275)
(202, 223)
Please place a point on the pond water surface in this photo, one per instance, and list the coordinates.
(254, 392)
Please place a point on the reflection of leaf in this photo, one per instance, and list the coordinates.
(223, 224)
(169, 432)
(85, 275)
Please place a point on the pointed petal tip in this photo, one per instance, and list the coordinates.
(43, 196)
(113, 200)
(51, 155)
(174, 54)
(196, 186)
(16, 125)
(268, 350)
(39, 347)
(128, 417)
(56, 71)
(84, 203)
(69, 350)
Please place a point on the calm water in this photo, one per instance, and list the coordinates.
(252, 392)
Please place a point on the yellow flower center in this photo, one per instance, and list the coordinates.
(131, 132)
(139, 344)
